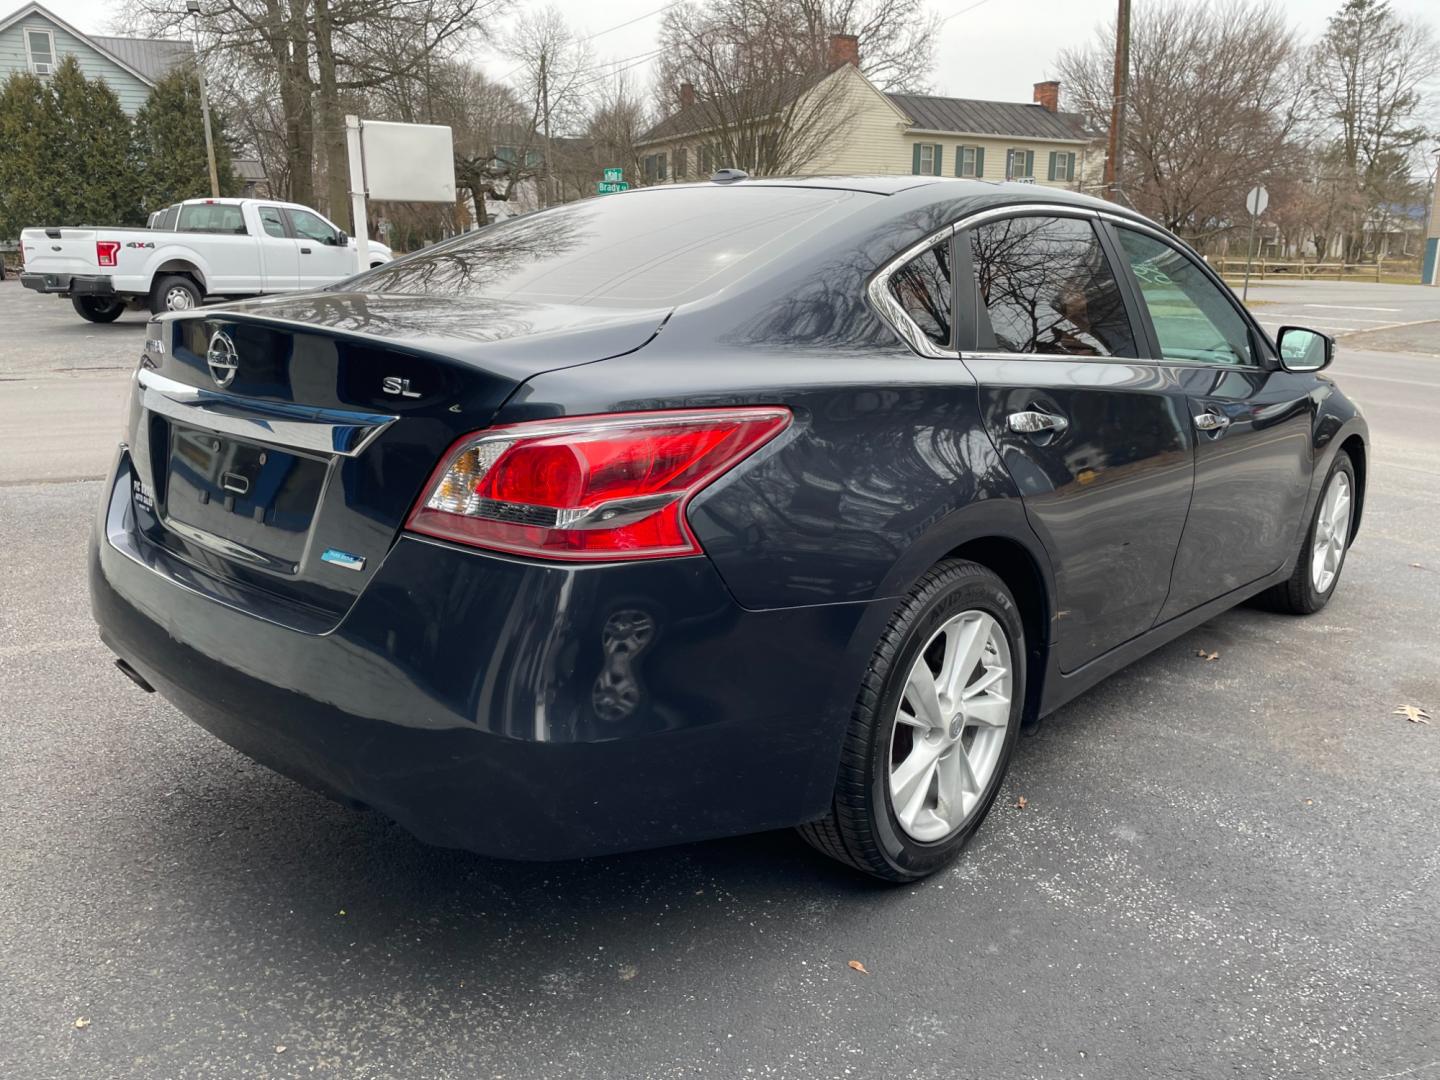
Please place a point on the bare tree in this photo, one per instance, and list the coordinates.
(1366, 78)
(616, 124)
(554, 75)
(314, 53)
(896, 38)
(1214, 102)
(762, 102)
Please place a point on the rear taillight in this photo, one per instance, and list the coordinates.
(105, 251)
(589, 488)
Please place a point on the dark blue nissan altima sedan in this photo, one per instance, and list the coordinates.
(712, 508)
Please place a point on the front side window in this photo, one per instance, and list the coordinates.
(1194, 320)
(212, 218)
(310, 226)
(271, 218)
(923, 288)
(40, 44)
(1047, 288)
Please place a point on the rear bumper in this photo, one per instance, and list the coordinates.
(511, 708)
(70, 284)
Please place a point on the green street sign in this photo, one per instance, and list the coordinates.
(614, 176)
(606, 187)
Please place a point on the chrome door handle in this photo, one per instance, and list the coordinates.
(1033, 422)
(1209, 421)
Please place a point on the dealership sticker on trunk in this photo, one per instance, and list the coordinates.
(342, 558)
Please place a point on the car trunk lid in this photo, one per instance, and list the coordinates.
(278, 445)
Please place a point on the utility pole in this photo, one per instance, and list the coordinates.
(193, 7)
(1116, 146)
(545, 119)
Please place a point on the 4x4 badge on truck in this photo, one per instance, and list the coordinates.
(222, 359)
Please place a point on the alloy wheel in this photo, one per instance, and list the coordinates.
(950, 726)
(178, 298)
(1332, 529)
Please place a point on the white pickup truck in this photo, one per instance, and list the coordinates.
(195, 250)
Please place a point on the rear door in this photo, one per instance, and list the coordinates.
(322, 260)
(218, 231)
(279, 251)
(1252, 423)
(1096, 438)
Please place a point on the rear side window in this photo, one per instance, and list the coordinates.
(648, 248)
(212, 218)
(1193, 318)
(270, 218)
(923, 288)
(1047, 287)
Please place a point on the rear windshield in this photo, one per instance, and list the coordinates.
(647, 249)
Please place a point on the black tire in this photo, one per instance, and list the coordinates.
(862, 829)
(163, 290)
(1298, 595)
(98, 309)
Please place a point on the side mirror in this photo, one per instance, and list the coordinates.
(342, 238)
(1304, 350)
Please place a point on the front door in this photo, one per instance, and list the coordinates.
(322, 260)
(1098, 440)
(1252, 425)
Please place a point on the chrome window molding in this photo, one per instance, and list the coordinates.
(891, 310)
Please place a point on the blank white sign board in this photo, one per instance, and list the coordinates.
(408, 162)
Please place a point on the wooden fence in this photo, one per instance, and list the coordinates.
(1263, 269)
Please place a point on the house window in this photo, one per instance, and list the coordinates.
(532, 159)
(707, 161)
(40, 45)
(682, 163)
(505, 155)
(1062, 166)
(970, 161)
(654, 168)
(1020, 165)
(926, 159)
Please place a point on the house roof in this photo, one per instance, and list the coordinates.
(702, 114)
(925, 112)
(973, 117)
(152, 57)
(106, 46)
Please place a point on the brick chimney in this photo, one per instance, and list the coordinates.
(687, 95)
(844, 49)
(1048, 94)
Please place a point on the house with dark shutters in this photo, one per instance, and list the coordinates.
(879, 133)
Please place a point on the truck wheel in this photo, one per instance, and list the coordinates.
(98, 309)
(174, 293)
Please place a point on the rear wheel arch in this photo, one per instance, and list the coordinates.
(180, 267)
(1014, 564)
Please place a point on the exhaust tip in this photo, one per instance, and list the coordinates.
(134, 676)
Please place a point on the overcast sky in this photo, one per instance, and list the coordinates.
(992, 49)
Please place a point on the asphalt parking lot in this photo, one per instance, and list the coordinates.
(1224, 867)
